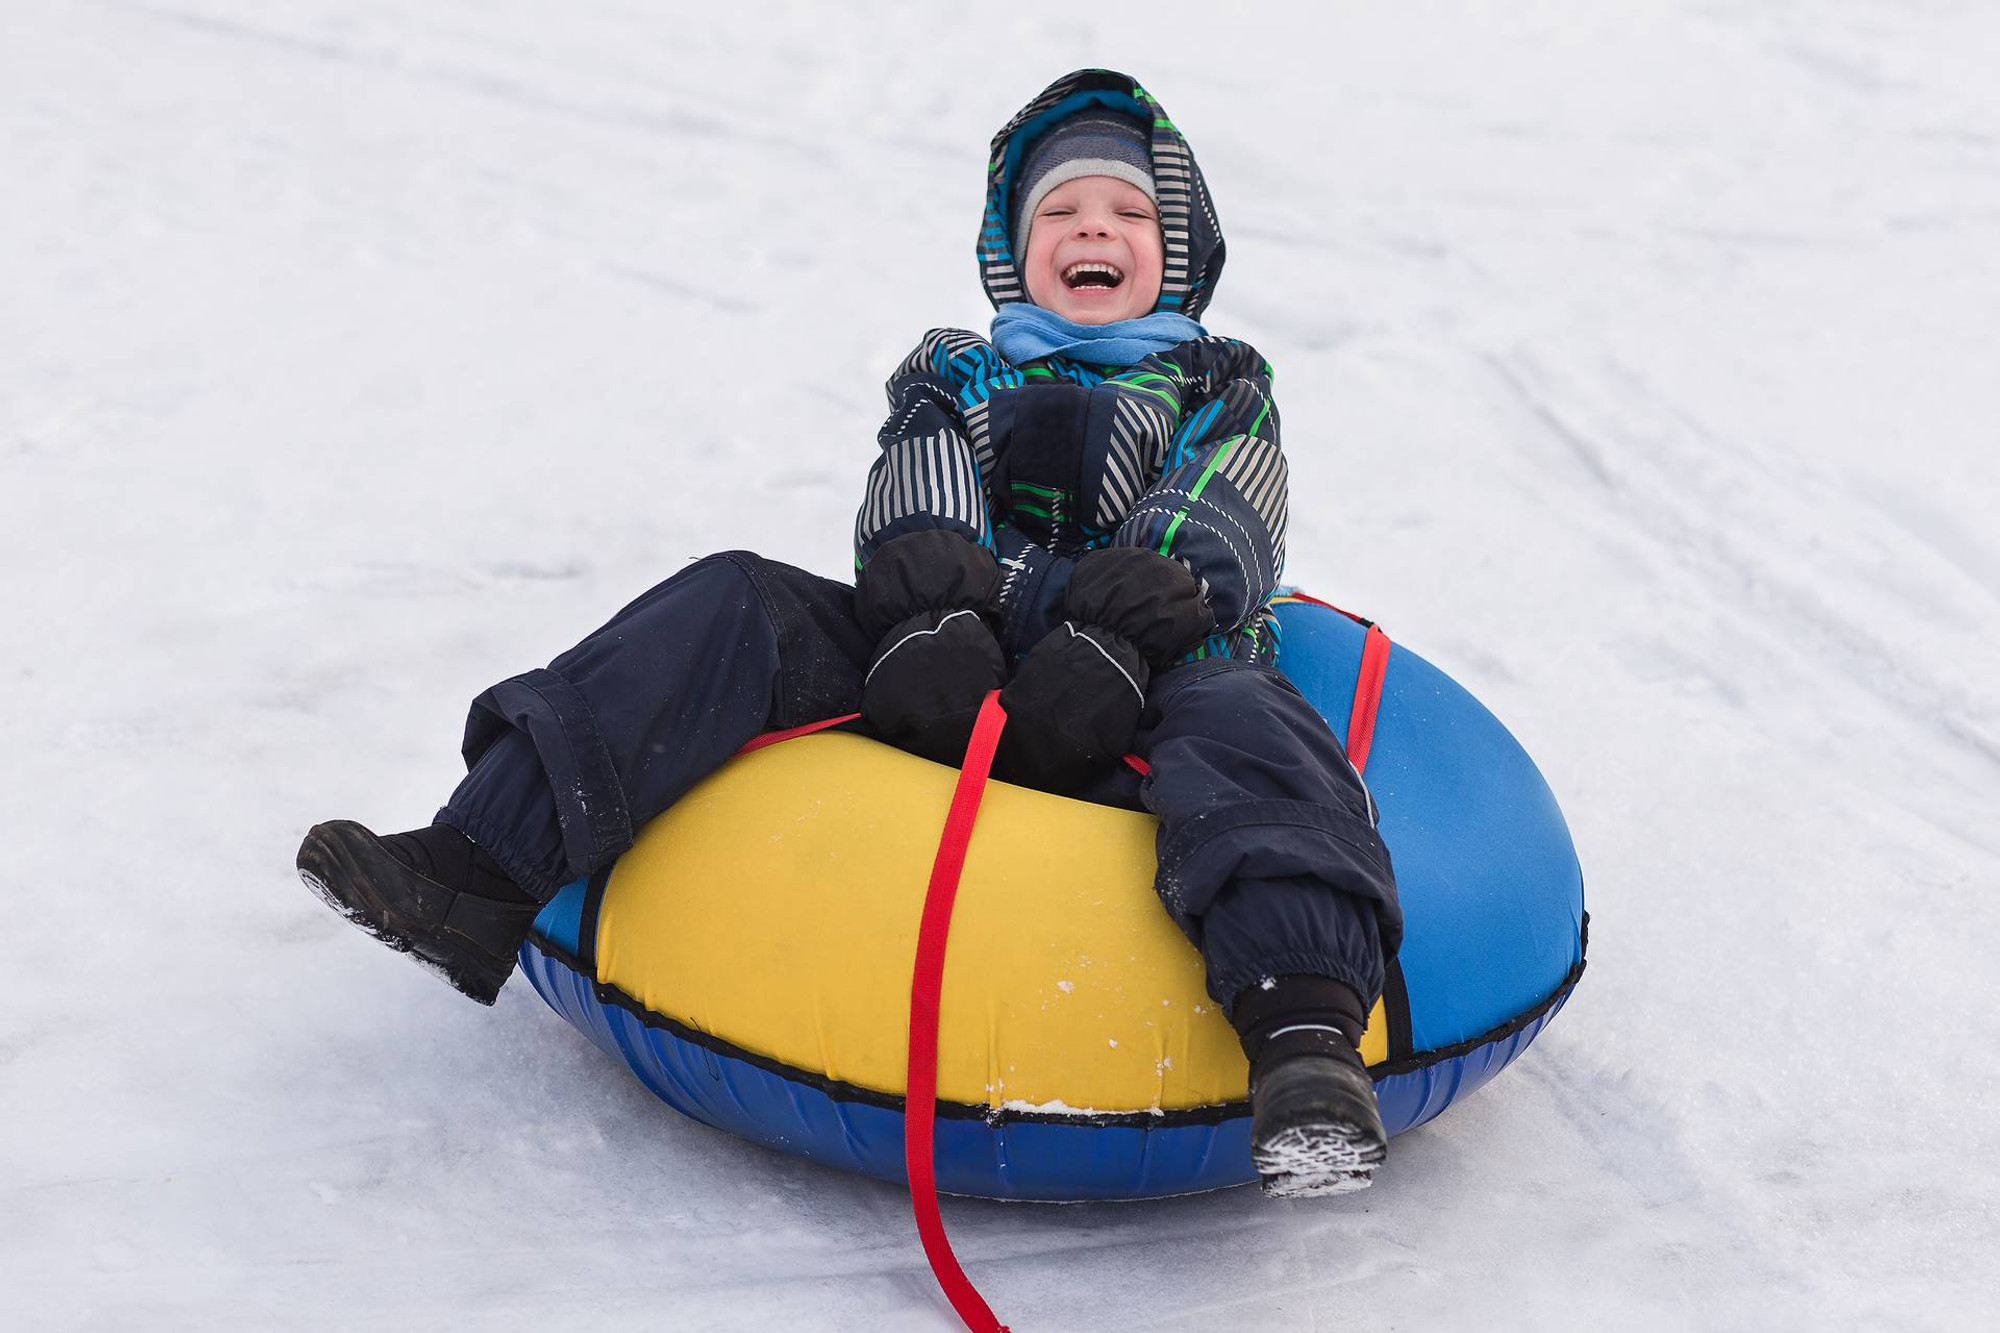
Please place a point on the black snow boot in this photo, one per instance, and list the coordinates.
(1315, 1127)
(431, 893)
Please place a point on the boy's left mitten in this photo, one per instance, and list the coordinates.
(924, 597)
(1074, 704)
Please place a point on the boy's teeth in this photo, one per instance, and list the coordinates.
(1092, 274)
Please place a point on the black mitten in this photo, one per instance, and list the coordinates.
(924, 597)
(923, 571)
(1153, 602)
(1072, 706)
(929, 677)
(1075, 702)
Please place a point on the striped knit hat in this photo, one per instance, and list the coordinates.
(1095, 142)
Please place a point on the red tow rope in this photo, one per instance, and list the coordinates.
(926, 988)
(927, 978)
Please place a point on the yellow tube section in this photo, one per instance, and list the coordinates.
(776, 906)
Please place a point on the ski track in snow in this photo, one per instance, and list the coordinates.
(1636, 368)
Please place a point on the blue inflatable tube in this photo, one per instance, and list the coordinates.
(1493, 900)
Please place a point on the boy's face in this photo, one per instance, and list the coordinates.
(1082, 226)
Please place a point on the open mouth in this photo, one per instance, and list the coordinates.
(1077, 277)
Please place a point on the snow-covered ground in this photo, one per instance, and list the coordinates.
(1638, 367)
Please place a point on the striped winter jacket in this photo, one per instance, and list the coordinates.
(1040, 463)
(1178, 454)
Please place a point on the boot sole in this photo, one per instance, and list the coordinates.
(1309, 1161)
(333, 862)
(1312, 1160)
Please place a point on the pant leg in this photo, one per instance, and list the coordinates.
(565, 763)
(1268, 855)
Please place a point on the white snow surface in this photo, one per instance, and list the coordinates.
(1638, 367)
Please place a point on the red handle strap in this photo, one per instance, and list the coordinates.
(926, 989)
(1367, 696)
(793, 733)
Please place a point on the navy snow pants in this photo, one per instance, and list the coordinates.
(1268, 857)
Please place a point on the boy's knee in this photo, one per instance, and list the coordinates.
(1221, 685)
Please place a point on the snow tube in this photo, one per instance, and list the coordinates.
(749, 958)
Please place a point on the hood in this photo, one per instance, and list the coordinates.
(1193, 237)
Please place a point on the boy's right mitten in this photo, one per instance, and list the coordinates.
(924, 598)
(1072, 707)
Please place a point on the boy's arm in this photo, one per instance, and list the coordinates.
(925, 577)
(1220, 507)
(928, 475)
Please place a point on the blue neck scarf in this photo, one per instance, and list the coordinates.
(1024, 333)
